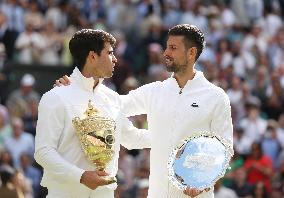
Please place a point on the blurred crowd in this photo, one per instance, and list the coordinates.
(244, 55)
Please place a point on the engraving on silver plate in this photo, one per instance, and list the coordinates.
(199, 161)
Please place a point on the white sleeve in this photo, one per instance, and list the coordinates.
(132, 137)
(222, 121)
(22, 41)
(50, 125)
(137, 101)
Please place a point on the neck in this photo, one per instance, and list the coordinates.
(183, 77)
(89, 73)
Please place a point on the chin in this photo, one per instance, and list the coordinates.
(170, 68)
(109, 75)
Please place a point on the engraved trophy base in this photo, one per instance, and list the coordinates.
(102, 167)
(110, 180)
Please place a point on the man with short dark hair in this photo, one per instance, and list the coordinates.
(67, 171)
(182, 105)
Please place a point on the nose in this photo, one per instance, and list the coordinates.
(165, 53)
(114, 59)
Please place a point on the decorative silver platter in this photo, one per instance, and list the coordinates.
(199, 161)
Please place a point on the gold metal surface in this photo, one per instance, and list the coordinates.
(96, 135)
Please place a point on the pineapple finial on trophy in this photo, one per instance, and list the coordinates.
(91, 110)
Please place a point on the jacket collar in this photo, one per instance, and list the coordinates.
(197, 79)
(84, 82)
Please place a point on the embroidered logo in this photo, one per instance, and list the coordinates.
(194, 105)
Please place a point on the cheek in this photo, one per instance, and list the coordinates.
(108, 59)
(177, 57)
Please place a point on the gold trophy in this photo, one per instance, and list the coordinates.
(96, 135)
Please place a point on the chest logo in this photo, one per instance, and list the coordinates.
(194, 105)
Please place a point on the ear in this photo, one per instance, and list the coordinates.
(192, 53)
(92, 56)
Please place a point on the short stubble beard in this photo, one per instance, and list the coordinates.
(176, 68)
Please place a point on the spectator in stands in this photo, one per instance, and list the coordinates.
(260, 191)
(5, 128)
(270, 143)
(254, 126)
(7, 36)
(53, 43)
(20, 142)
(280, 130)
(221, 191)
(259, 167)
(7, 188)
(19, 100)
(29, 45)
(6, 159)
(240, 185)
(23, 184)
(242, 143)
(30, 172)
(274, 103)
(33, 15)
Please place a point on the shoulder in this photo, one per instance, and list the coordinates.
(112, 95)
(55, 95)
(216, 91)
(151, 86)
(15, 93)
(109, 91)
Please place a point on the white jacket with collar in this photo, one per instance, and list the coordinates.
(57, 148)
(173, 114)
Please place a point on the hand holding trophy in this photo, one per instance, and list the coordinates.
(198, 162)
(96, 135)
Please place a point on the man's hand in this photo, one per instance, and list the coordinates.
(64, 80)
(193, 192)
(94, 179)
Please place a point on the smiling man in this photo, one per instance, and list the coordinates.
(67, 171)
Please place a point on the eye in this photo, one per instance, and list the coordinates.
(110, 52)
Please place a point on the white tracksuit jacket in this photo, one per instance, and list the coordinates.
(173, 114)
(57, 148)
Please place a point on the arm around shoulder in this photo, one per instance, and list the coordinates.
(137, 101)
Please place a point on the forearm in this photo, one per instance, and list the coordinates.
(52, 162)
(138, 101)
(139, 139)
(132, 137)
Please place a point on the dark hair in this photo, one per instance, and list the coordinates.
(193, 36)
(87, 40)
(6, 174)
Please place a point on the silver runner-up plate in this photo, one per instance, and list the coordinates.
(199, 161)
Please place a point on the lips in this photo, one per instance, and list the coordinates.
(168, 60)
